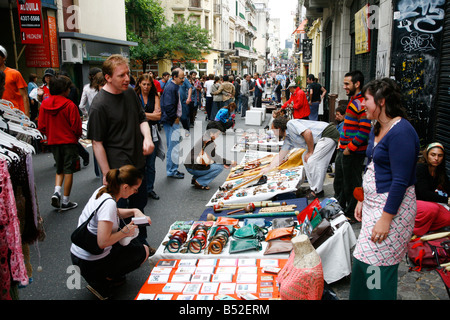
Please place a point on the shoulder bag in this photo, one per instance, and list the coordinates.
(85, 239)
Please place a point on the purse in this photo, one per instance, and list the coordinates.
(278, 246)
(203, 158)
(85, 239)
(237, 246)
(283, 222)
(285, 233)
(321, 233)
(250, 231)
(308, 211)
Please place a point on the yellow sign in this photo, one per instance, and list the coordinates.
(362, 31)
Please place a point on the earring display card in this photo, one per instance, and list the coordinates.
(245, 280)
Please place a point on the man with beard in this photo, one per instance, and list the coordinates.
(352, 145)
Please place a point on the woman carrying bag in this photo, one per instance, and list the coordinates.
(121, 252)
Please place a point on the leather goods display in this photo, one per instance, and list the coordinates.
(244, 245)
(84, 239)
(321, 233)
(283, 222)
(308, 211)
(280, 233)
(278, 246)
(260, 222)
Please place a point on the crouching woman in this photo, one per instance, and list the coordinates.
(120, 256)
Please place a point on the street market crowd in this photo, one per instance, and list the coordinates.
(382, 178)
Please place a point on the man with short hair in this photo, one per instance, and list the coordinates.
(171, 112)
(165, 77)
(59, 120)
(16, 88)
(119, 130)
(317, 137)
(299, 101)
(209, 97)
(316, 93)
(352, 147)
(259, 89)
(245, 94)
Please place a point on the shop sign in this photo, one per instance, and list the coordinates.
(30, 22)
(362, 31)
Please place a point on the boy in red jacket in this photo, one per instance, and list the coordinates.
(60, 121)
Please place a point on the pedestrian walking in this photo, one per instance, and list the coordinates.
(150, 102)
(217, 98)
(316, 93)
(245, 94)
(59, 120)
(171, 112)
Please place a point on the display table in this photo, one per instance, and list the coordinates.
(219, 279)
(335, 252)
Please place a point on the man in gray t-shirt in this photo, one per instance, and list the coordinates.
(320, 141)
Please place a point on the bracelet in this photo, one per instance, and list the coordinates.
(121, 230)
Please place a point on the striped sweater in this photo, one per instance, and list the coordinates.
(356, 129)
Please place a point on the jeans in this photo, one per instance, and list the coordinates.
(173, 139)
(348, 176)
(209, 104)
(314, 108)
(217, 105)
(150, 170)
(204, 177)
(244, 101)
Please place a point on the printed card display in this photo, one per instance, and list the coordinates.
(158, 278)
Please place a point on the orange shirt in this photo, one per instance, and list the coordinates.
(13, 82)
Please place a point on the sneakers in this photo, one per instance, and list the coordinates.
(56, 200)
(68, 206)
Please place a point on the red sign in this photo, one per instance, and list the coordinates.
(44, 55)
(30, 21)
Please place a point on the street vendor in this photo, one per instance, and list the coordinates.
(317, 137)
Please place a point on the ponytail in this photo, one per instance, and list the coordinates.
(127, 174)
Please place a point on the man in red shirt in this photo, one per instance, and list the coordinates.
(16, 88)
(300, 102)
(59, 120)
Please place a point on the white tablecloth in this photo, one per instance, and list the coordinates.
(334, 253)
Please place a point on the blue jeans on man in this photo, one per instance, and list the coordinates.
(173, 139)
(314, 108)
(150, 171)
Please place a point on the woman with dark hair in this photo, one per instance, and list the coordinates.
(202, 162)
(387, 208)
(108, 269)
(150, 101)
(89, 92)
(432, 188)
(225, 117)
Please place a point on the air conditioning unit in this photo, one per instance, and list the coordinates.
(71, 51)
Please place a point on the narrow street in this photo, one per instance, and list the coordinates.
(178, 201)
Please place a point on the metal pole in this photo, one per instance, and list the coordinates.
(13, 34)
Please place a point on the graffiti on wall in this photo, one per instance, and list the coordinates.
(415, 58)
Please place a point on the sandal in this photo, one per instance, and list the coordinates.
(199, 186)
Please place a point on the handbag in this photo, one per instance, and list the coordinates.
(321, 233)
(203, 158)
(85, 239)
(429, 253)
